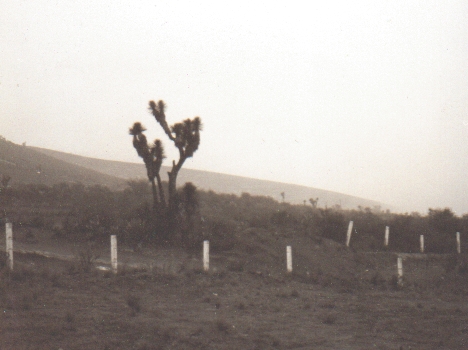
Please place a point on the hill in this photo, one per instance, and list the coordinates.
(218, 182)
(27, 165)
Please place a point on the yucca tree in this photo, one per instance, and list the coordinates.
(153, 155)
(313, 202)
(186, 137)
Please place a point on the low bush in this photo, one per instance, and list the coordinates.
(134, 303)
(86, 260)
(329, 319)
(222, 326)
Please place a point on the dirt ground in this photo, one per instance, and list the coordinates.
(335, 299)
(52, 304)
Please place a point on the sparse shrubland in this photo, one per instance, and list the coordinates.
(332, 290)
(83, 213)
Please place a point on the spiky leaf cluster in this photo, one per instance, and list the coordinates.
(185, 135)
(157, 110)
(152, 154)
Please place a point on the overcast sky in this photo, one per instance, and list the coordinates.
(365, 98)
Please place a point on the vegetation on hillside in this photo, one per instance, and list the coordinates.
(81, 212)
(27, 165)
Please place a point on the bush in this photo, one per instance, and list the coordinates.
(3, 260)
(329, 319)
(86, 260)
(221, 234)
(332, 225)
(95, 212)
(457, 263)
(37, 221)
(222, 326)
(134, 303)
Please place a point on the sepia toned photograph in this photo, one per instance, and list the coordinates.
(233, 175)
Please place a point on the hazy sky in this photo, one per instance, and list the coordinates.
(365, 98)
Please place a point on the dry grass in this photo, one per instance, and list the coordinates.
(46, 307)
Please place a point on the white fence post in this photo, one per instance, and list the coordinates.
(206, 255)
(421, 242)
(387, 234)
(458, 243)
(114, 253)
(289, 259)
(9, 243)
(400, 270)
(348, 236)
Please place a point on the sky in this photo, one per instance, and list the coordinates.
(367, 98)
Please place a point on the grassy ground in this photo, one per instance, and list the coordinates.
(52, 304)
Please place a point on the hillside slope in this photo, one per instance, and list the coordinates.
(27, 165)
(221, 183)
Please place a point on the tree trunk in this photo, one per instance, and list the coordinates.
(172, 185)
(173, 180)
(155, 195)
(162, 197)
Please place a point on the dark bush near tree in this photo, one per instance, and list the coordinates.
(404, 233)
(332, 225)
(442, 226)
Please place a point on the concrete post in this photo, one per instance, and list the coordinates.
(206, 255)
(289, 259)
(9, 243)
(114, 253)
(348, 236)
(400, 270)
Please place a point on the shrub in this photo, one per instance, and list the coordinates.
(329, 319)
(222, 326)
(221, 234)
(377, 279)
(86, 260)
(457, 263)
(295, 294)
(37, 221)
(21, 274)
(134, 303)
(3, 260)
(69, 322)
(332, 225)
(394, 283)
(236, 265)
